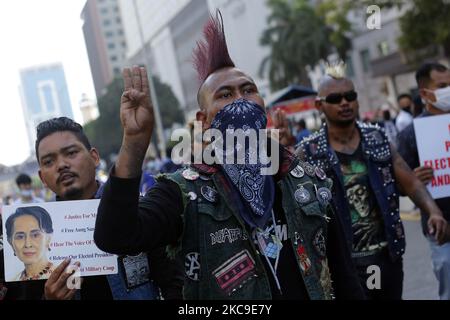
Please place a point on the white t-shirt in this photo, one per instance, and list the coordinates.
(404, 119)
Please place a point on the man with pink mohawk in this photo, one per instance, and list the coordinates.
(240, 234)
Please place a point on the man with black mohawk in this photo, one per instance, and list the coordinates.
(368, 175)
(240, 235)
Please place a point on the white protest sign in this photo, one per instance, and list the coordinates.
(38, 237)
(433, 144)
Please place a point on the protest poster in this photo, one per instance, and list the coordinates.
(38, 237)
(433, 144)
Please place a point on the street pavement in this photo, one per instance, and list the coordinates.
(419, 282)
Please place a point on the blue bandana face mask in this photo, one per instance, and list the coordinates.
(255, 192)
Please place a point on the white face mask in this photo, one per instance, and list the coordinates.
(26, 193)
(442, 99)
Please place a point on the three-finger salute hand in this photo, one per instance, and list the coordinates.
(136, 110)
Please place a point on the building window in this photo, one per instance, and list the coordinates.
(120, 32)
(104, 10)
(365, 59)
(48, 98)
(109, 34)
(117, 71)
(113, 58)
(118, 20)
(111, 45)
(107, 22)
(383, 48)
(350, 69)
(124, 44)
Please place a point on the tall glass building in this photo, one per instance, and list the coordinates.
(44, 95)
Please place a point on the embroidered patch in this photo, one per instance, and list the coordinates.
(210, 194)
(304, 261)
(319, 243)
(192, 266)
(226, 235)
(234, 272)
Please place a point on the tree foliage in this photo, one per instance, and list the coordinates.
(425, 24)
(300, 35)
(297, 37)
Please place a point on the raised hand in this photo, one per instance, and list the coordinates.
(281, 123)
(136, 115)
(136, 110)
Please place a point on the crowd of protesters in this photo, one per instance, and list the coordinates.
(310, 231)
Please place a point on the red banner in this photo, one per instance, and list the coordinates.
(292, 107)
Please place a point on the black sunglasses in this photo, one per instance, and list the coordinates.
(336, 98)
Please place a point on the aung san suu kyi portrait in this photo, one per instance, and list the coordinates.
(29, 232)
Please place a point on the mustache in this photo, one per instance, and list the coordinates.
(64, 174)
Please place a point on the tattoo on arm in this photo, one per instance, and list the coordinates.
(129, 163)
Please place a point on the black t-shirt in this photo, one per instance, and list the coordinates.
(367, 223)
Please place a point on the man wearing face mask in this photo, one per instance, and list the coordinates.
(368, 175)
(433, 80)
(404, 118)
(239, 234)
(24, 184)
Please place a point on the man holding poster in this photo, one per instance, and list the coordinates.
(425, 146)
(67, 166)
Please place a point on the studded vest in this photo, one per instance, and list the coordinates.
(377, 154)
(223, 262)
